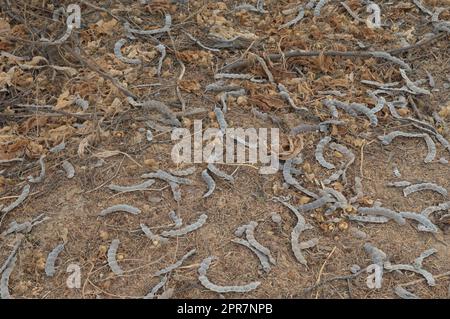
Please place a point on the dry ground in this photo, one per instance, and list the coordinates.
(112, 124)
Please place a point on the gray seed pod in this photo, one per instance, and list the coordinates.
(120, 208)
(112, 261)
(51, 260)
(209, 182)
(187, 229)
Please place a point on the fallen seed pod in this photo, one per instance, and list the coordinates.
(152, 293)
(185, 230)
(399, 184)
(410, 84)
(112, 261)
(204, 266)
(41, 176)
(368, 219)
(381, 211)
(404, 294)
(51, 260)
(309, 244)
(11, 255)
(166, 28)
(216, 171)
(319, 7)
(290, 180)
(425, 224)
(297, 19)
(319, 153)
(163, 175)
(4, 281)
(220, 117)
(190, 36)
(284, 93)
(175, 265)
(177, 220)
(425, 186)
(265, 67)
(235, 76)
(133, 188)
(183, 172)
(377, 255)
(387, 139)
(427, 253)
(388, 57)
(263, 259)
(209, 182)
(120, 208)
(432, 209)
(152, 236)
(176, 191)
(118, 53)
(19, 200)
(250, 234)
(428, 276)
(25, 227)
(69, 169)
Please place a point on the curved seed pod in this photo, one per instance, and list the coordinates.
(120, 208)
(297, 19)
(177, 220)
(331, 107)
(412, 86)
(340, 199)
(69, 169)
(209, 182)
(41, 176)
(161, 49)
(368, 219)
(163, 109)
(387, 139)
(363, 109)
(163, 175)
(404, 294)
(240, 231)
(427, 253)
(428, 276)
(187, 229)
(204, 266)
(319, 153)
(319, 7)
(176, 191)
(25, 227)
(63, 38)
(264, 66)
(220, 86)
(425, 186)
(152, 293)
(377, 255)
(175, 265)
(425, 224)
(4, 281)
(11, 255)
(290, 180)
(183, 172)
(216, 171)
(51, 259)
(399, 184)
(388, 57)
(132, 188)
(310, 4)
(250, 234)
(296, 248)
(264, 261)
(381, 211)
(118, 53)
(190, 36)
(221, 120)
(284, 93)
(153, 236)
(166, 28)
(432, 209)
(19, 200)
(112, 261)
(322, 201)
